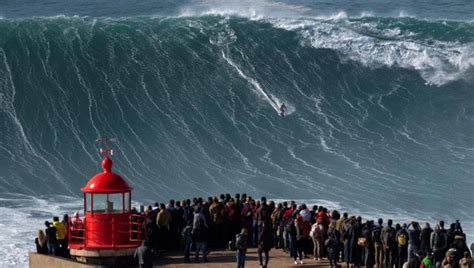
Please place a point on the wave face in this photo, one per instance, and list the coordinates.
(381, 113)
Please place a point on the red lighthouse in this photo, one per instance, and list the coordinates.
(109, 231)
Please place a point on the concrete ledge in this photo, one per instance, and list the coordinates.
(45, 261)
(102, 252)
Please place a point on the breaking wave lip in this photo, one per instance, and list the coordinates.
(437, 62)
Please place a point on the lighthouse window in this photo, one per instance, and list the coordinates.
(127, 201)
(88, 202)
(99, 203)
(115, 204)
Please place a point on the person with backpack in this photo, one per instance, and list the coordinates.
(317, 234)
(332, 244)
(439, 244)
(402, 241)
(377, 240)
(241, 247)
(200, 237)
(305, 223)
(459, 244)
(389, 244)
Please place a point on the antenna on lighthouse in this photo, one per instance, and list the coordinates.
(103, 144)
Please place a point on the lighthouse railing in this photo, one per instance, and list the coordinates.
(87, 234)
(76, 231)
(137, 227)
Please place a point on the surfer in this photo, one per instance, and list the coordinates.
(282, 110)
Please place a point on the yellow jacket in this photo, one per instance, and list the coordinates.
(60, 230)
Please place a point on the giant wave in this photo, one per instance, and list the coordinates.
(381, 108)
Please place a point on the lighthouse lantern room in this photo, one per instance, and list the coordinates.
(109, 227)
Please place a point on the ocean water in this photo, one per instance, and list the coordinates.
(379, 94)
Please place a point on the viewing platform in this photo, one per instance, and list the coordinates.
(217, 259)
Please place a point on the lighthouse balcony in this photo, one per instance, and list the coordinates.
(121, 231)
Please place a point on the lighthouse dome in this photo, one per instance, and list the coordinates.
(107, 181)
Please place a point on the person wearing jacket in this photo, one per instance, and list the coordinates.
(163, 220)
(187, 234)
(51, 241)
(200, 237)
(414, 239)
(265, 242)
(333, 244)
(241, 245)
(439, 244)
(299, 242)
(355, 232)
(402, 237)
(60, 236)
(369, 256)
(378, 245)
(389, 244)
(425, 245)
(460, 246)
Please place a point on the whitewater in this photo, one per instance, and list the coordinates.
(379, 121)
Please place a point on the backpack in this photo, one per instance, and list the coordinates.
(438, 240)
(389, 238)
(313, 230)
(305, 227)
(318, 232)
(402, 239)
(376, 234)
(233, 244)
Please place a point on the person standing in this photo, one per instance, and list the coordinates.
(241, 245)
(51, 242)
(188, 240)
(414, 239)
(299, 242)
(265, 242)
(389, 244)
(40, 242)
(333, 245)
(200, 237)
(61, 243)
(425, 238)
(439, 244)
(163, 220)
(377, 240)
(144, 256)
(402, 239)
(369, 250)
